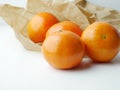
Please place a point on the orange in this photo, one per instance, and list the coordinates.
(102, 41)
(39, 24)
(119, 36)
(63, 49)
(65, 25)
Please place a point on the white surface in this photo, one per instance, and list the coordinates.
(25, 70)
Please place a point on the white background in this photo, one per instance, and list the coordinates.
(21, 69)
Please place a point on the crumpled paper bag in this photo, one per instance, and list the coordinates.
(101, 13)
(18, 18)
(79, 11)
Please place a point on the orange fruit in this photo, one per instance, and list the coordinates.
(39, 24)
(63, 49)
(65, 25)
(102, 41)
(119, 36)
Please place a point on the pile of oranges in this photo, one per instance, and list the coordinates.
(64, 44)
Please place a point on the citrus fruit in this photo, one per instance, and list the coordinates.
(64, 25)
(102, 41)
(63, 49)
(39, 24)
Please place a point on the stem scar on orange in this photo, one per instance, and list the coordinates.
(63, 49)
(65, 25)
(102, 41)
(39, 24)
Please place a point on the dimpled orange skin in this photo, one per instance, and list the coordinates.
(102, 41)
(64, 25)
(39, 24)
(63, 50)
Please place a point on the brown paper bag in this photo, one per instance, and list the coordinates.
(79, 11)
(67, 9)
(18, 18)
(101, 13)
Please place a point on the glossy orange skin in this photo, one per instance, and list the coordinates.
(39, 24)
(102, 41)
(119, 41)
(65, 25)
(63, 49)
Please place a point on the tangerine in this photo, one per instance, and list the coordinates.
(63, 49)
(102, 41)
(39, 24)
(64, 25)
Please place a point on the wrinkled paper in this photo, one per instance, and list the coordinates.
(80, 12)
(101, 13)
